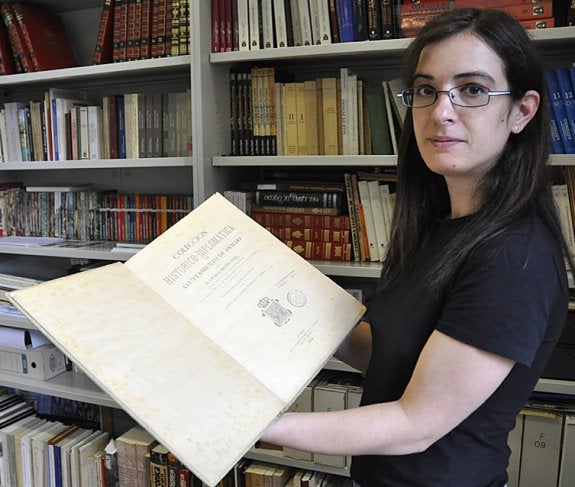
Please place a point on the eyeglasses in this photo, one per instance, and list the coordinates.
(470, 95)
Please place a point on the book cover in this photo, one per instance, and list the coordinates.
(244, 349)
(45, 37)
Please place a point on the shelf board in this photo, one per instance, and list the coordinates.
(348, 161)
(543, 37)
(562, 160)
(363, 48)
(282, 161)
(349, 269)
(86, 250)
(555, 386)
(98, 164)
(69, 385)
(111, 70)
(275, 456)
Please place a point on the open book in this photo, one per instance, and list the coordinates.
(204, 337)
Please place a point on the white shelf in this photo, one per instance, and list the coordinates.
(368, 49)
(349, 269)
(273, 456)
(145, 67)
(87, 250)
(363, 48)
(555, 386)
(97, 164)
(69, 385)
(283, 161)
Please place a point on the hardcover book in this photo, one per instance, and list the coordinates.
(45, 37)
(218, 305)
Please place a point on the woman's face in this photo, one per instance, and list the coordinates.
(462, 143)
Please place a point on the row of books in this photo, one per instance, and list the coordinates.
(32, 38)
(561, 91)
(325, 116)
(65, 126)
(251, 25)
(38, 451)
(344, 220)
(90, 215)
(142, 29)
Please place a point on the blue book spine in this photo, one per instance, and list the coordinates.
(345, 19)
(567, 92)
(558, 110)
(121, 128)
(55, 131)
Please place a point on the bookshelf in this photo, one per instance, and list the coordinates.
(210, 168)
(165, 175)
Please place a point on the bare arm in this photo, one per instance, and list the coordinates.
(355, 351)
(450, 381)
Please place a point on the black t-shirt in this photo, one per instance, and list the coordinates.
(509, 298)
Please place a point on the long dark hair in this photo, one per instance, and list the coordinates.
(516, 183)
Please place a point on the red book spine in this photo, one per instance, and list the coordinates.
(117, 30)
(310, 234)
(14, 38)
(104, 40)
(222, 28)
(543, 9)
(123, 41)
(321, 250)
(315, 222)
(161, 29)
(216, 25)
(156, 7)
(137, 30)
(24, 41)
(545, 23)
(130, 29)
(146, 30)
(168, 29)
(492, 3)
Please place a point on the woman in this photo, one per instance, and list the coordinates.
(474, 292)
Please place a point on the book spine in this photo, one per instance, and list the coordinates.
(559, 111)
(301, 222)
(352, 218)
(387, 10)
(321, 250)
(267, 24)
(103, 49)
(345, 20)
(543, 9)
(215, 17)
(146, 30)
(280, 23)
(546, 23)
(14, 38)
(333, 21)
(301, 210)
(309, 234)
(373, 20)
(360, 20)
(298, 198)
(254, 25)
(24, 39)
(243, 25)
(567, 93)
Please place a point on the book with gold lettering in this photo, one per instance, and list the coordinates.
(216, 304)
